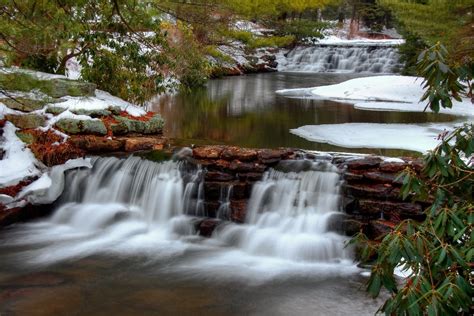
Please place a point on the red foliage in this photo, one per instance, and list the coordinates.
(143, 118)
(14, 189)
(49, 148)
(108, 121)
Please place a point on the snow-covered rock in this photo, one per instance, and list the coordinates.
(18, 161)
(50, 185)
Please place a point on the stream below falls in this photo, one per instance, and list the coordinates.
(122, 241)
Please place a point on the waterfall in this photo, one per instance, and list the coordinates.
(288, 216)
(154, 192)
(142, 207)
(345, 59)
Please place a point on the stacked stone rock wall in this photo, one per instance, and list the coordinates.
(371, 189)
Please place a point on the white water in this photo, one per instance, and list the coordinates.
(138, 207)
(345, 59)
(288, 216)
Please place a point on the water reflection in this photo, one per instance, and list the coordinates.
(246, 111)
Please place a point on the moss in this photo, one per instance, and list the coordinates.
(55, 88)
(25, 121)
(92, 113)
(24, 104)
(27, 138)
(55, 110)
(126, 125)
(73, 126)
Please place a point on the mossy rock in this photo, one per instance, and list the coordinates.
(126, 125)
(92, 113)
(55, 88)
(116, 110)
(24, 104)
(155, 124)
(24, 121)
(120, 128)
(74, 126)
(55, 110)
(27, 138)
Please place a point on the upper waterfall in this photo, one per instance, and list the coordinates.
(342, 58)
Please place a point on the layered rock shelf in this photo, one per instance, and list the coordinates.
(371, 188)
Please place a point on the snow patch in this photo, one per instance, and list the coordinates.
(336, 40)
(101, 101)
(413, 137)
(385, 93)
(18, 161)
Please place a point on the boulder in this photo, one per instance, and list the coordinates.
(363, 163)
(55, 110)
(393, 167)
(27, 138)
(378, 229)
(242, 154)
(245, 167)
(395, 211)
(74, 126)
(269, 156)
(26, 121)
(250, 176)
(207, 152)
(126, 125)
(218, 176)
(143, 143)
(381, 177)
(238, 210)
(92, 113)
(24, 104)
(207, 227)
(58, 88)
(97, 144)
(378, 191)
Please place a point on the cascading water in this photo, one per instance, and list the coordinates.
(120, 205)
(288, 216)
(142, 207)
(345, 59)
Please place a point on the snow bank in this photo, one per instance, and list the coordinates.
(18, 161)
(101, 101)
(336, 40)
(385, 93)
(414, 137)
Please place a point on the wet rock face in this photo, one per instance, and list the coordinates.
(371, 188)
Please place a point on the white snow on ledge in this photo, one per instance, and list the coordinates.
(18, 161)
(413, 137)
(337, 41)
(383, 93)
